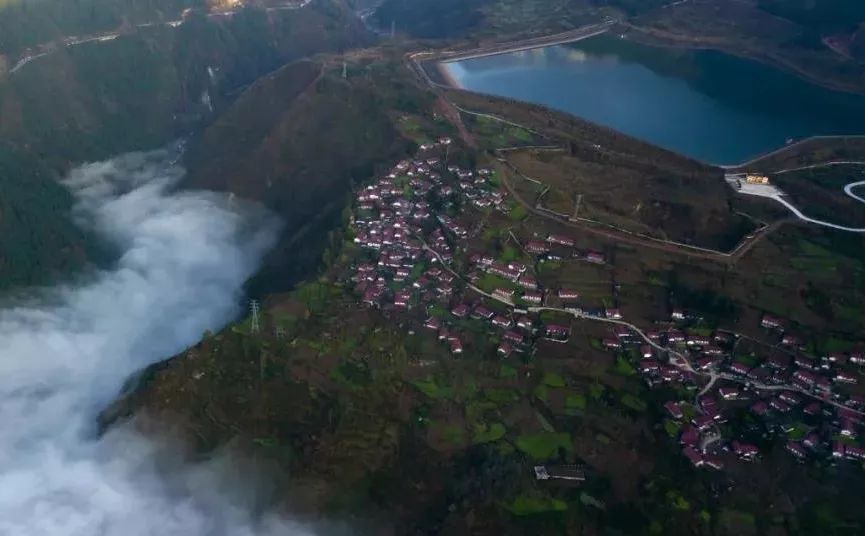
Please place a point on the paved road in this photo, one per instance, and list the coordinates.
(774, 193)
(569, 36)
(849, 190)
(110, 36)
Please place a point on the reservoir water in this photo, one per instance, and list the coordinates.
(705, 104)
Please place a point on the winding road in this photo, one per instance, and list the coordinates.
(849, 191)
(771, 192)
(50, 48)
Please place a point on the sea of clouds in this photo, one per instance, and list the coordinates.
(65, 352)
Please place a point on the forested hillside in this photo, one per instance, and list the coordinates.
(26, 23)
(138, 91)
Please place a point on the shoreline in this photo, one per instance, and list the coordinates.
(533, 43)
(646, 37)
(650, 37)
(449, 81)
(445, 71)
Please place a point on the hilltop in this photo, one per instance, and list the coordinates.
(298, 140)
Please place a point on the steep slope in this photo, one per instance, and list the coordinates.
(25, 24)
(138, 91)
(296, 140)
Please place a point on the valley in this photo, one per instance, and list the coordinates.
(357, 299)
(444, 356)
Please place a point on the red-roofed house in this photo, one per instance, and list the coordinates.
(674, 409)
(745, 451)
(533, 297)
(595, 257)
(537, 247)
(528, 282)
(796, 450)
(460, 311)
(611, 343)
(690, 436)
(695, 457)
(562, 240)
(568, 294)
(502, 322)
(771, 322)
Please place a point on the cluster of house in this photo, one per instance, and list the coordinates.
(787, 395)
(410, 223)
(557, 247)
(524, 288)
(403, 219)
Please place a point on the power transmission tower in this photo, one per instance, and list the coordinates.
(392, 28)
(577, 206)
(279, 332)
(344, 70)
(253, 307)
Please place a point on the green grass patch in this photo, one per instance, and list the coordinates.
(575, 401)
(490, 282)
(813, 265)
(551, 379)
(798, 432)
(678, 501)
(507, 372)
(432, 389)
(544, 446)
(701, 331)
(438, 311)
(502, 396)
(454, 434)
(688, 411)
(509, 253)
(518, 212)
(630, 401)
(487, 433)
(672, 428)
(832, 345)
(266, 442)
(543, 393)
(526, 505)
(623, 367)
(813, 250)
(476, 409)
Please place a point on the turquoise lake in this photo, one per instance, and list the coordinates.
(705, 104)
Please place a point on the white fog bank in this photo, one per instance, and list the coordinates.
(65, 353)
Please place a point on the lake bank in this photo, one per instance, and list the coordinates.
(708, 105)
(657, 38)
